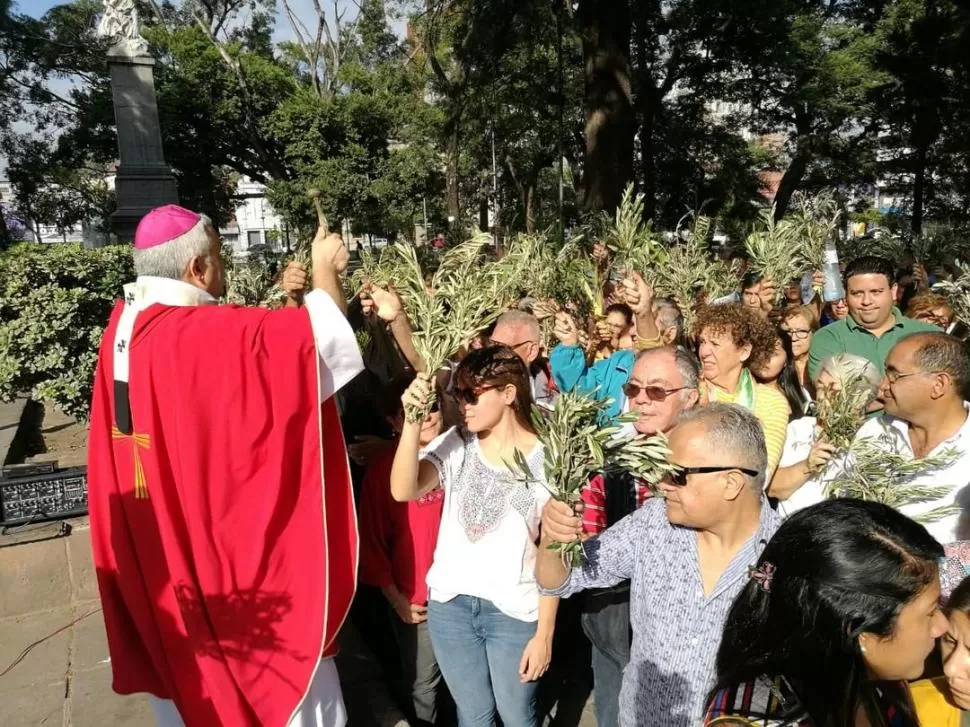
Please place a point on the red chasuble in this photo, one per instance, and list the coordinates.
(223, 524)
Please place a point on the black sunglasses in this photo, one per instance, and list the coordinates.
(470, 396)
(679, 477)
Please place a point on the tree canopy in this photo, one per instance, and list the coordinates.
(539, 112)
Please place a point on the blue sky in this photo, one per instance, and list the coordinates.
(303, 8)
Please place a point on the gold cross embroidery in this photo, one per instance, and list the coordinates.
(139, 441)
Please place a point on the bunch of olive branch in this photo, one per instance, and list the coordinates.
(631, 241)
(888, 247)
(940, 247)
(687, 270)
(957, 291)
(774, 249)
(816, 218)
(842, 412)
(466, 295)
(874, 471)
(576, 446)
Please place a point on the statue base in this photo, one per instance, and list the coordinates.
(144, 181)
(138, 191)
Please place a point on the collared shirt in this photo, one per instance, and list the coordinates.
(847, 336)
(676, 628)
(893, 434)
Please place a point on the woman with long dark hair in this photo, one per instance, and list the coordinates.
(779, 372)
(490, 629)
(841, 610)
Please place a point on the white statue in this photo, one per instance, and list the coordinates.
(120, 24)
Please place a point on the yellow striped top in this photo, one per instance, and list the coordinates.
(771, 408)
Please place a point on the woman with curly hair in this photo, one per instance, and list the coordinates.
(731, 340)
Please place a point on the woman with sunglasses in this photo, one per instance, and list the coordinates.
(841, 610)
(491, 631)
(732, 341)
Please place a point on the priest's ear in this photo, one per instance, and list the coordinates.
(195, 271)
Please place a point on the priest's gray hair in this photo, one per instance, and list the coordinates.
(170, 259)
(734, 437)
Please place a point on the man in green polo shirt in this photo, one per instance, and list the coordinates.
(874, 323)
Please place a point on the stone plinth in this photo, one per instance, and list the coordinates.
(143, 179)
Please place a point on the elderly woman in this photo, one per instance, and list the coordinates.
(798, 482)
(931, 308)
(800, 322)
(732, 340)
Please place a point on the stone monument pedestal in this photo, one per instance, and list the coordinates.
(143, 179)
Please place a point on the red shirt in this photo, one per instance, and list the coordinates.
(397, 539)
(594, 500)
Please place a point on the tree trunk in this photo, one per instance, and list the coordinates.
(919, 189)
(647, 107)
(605, 28)
(530, 213)
(452, 150)
(792, 179)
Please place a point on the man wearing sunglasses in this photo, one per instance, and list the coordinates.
(662, 385)
(686, 555)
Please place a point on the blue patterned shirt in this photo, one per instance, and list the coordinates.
(676, 629)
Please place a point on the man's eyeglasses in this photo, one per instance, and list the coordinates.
(654, 393)
(470, 396)
(679, 478)
(892, 375)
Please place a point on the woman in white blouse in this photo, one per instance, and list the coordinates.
(490, 629)
(798, 482)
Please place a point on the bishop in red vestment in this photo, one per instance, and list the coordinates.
(222, 516)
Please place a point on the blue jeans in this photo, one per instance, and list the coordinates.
(606, 622)
(478, 650)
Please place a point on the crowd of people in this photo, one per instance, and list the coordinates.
(744, 589)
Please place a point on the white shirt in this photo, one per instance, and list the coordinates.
(894, 433)
(798, 444)
(487, 542)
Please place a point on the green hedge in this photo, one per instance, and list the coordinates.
(54, 303)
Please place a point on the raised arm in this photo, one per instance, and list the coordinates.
(410, 477)
(330, 258)
(387, 305)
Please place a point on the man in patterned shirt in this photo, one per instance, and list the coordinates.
(662, 385)
(686, 555)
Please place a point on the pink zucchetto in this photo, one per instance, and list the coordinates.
(164, 224)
